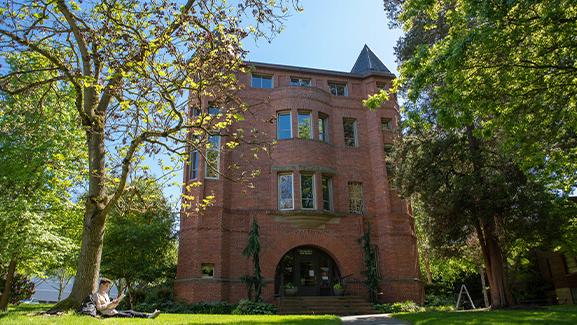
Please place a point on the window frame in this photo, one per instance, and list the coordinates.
(207, 164)
(386, 124)
(207, 276)
(193, 167)
(279, 192)
(313, 190)
(261, 76)
(335, 84)
(323, 119)
(355, 132)
(289, 113)
(329, 192)
(362, 198)
(299, 83)
(310, 116)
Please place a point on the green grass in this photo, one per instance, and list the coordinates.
(27, 314)
(566, 314)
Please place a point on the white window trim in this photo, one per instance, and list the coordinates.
(313, 191)
(324, 117)
(292, 190)
(300, 79)
(345, 84)
(290, 114)
(191, 165)
(355, 131)
(206, 165)
(262, 75)
(330, 187)
(362, 198)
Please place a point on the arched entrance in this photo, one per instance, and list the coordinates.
(308, 268)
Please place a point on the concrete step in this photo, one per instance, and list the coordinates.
(335, 305)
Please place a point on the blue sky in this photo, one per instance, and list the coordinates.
(328, 34)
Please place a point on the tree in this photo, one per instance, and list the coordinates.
(491, 120)
(470, 188)
(252, 250)
(445, 271)
(22, 288)
(140, 240)
(130, 64)
(508, 64)
(39, 165)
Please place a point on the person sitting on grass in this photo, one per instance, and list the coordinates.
(108, 308)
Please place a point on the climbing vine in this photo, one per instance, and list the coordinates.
(370, 260)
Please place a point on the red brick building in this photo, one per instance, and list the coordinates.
(326, 177)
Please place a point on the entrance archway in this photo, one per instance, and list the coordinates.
(309, 269)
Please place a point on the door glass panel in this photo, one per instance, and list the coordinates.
(307, 274)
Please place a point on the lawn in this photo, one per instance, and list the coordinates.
(566, 314)
(25, 314)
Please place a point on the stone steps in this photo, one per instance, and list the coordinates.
(320, 305)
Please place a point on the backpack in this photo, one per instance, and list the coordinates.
(88, 306)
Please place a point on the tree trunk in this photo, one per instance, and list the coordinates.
(428, 267)
(129, 292)
(486, 231)
(8, 285)
(60, 286)
(88, 269)
(494, 264)
(484, 286)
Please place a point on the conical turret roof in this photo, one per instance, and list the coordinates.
(368, 62)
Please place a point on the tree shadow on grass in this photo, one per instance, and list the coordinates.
(555, 315)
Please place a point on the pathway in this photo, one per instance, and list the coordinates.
(376, 319)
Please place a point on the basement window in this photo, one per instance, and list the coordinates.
(207, 270)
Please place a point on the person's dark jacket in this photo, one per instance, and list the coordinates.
(88, 306)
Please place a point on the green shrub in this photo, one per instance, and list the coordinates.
(440, 308)
(399, 307)
(434, 299)
(22, 288)
(247, 307)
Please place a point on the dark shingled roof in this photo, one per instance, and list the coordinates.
(368, 62)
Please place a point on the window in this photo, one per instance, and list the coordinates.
(307, 191)
(300, 82)
(327, 184)
(570, 264)
(356, 203)
(323, 128)
(388, 162)
(193, 164)
(305, 125)
(285, 192)
(283, 126)
(207, 270)
(338, 89)
(261, 81)
(212, 157)
(196, 112)
(350, 131)
(386, 124)
(213, 111)
(381, 86)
